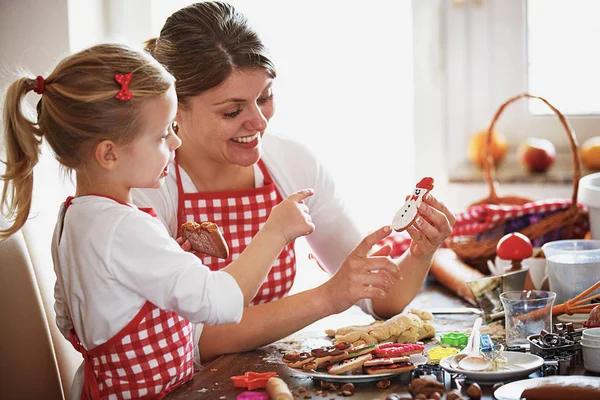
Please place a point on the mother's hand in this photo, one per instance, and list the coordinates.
(362, 275)
(432, 226)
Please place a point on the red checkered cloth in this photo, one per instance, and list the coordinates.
(483, 217)
(400, 242)
(240, 214)
(147, 359)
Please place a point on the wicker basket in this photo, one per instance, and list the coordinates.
(477, 252)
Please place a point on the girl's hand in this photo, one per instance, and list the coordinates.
(291, 217)
(184, 243)
(432, 226)
(362, 276)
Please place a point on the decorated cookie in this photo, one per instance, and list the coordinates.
(408, 212)
(297, 360)
(398, 349)
(390, 369)
(316, 362)
(361, 349)
(386, 361)
(349, 364)
(334, 350)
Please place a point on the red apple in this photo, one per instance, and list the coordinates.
(536, 155)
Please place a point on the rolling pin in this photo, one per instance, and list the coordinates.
(278, 389)
(452, 273)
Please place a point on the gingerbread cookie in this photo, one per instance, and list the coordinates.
(408, 212)
(386, 361)
(297, 360)
(334, 350)
(361, 349)
(205, 238)
(390, 368)
(349, 364)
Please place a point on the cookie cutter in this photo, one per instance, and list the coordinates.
(436, 354)
(486, 343)
(429, 369)
(252, 396)
(455, 339)
(252, 380)
(564, 361)
(564, 338)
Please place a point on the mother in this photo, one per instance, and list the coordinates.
(229, 172)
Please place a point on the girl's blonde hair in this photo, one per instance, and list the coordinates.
(77, 110)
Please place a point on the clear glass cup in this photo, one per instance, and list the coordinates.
(527, 312)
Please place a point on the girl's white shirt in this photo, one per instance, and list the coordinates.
(110, 259)
(292, 167)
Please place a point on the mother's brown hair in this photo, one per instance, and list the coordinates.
(202, 44)
(77, 110)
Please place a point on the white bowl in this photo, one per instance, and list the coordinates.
(591, 333)
(589, 343)
(591, 358)
(589, 194)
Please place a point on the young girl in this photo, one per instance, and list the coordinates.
(126, 293)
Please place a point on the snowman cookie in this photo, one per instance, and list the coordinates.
(408, 212)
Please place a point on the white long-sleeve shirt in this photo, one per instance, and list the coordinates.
(292, 167)
(110, 259)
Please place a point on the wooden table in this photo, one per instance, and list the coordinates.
(214, 382)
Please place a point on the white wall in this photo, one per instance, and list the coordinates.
(345, 84)
(34, 35)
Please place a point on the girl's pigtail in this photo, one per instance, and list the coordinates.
(22, 142)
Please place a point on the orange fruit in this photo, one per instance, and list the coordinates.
(590, 153)
(478, 142)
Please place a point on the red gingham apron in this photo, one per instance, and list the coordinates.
(147, 359)
(240, 214)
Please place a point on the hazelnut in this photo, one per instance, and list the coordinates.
(497, 385)
(348, 387)
(454, 395)
(392, 396)
(474, 392)
(420, 396)
(383, 384)
(435, 396)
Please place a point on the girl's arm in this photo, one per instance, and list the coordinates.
(145, 259)
(288, 220)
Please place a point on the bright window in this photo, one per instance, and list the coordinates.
(563, 38)
(496, 49)
(344, 88)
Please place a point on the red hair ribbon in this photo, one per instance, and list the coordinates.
(39, 89)
(124, 80)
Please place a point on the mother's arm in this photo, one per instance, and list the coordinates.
(431, 228)
(266, 323)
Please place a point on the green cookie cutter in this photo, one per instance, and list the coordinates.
(455, 339)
